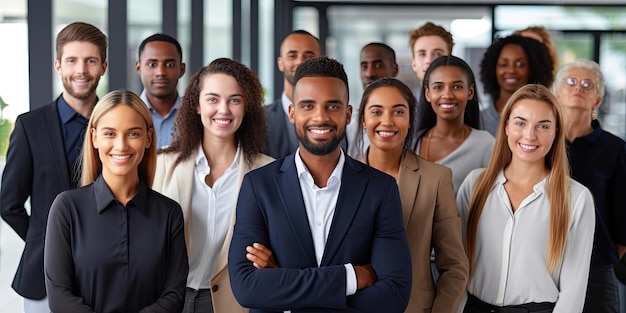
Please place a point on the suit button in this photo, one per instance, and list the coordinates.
(215, 288)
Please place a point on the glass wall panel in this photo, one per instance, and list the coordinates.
(218, 30)
(612, 112)
(560, 17)
(267, 59)
(14, 82)
(145, 18)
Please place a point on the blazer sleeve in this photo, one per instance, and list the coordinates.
(277, 289)
(17, 181)
(58, 261)
(450, 255)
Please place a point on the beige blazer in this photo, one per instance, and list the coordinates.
(431, 219)
(176, 182)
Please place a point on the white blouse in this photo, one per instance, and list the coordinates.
(512, 247)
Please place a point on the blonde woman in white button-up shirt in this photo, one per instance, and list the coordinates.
(529, 227)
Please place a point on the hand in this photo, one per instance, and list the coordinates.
(365, 276)
(260, 256)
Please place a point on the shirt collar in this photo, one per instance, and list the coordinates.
(335, 176)
(104, 197)
(538, 187)
(201, 158)
(144, 97)
(596, 133)
(65, 110)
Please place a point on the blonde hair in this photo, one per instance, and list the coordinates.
(546, 39)
(557, 183)
(91, 164)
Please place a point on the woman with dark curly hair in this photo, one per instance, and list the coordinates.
(508, 64)
(219, 134)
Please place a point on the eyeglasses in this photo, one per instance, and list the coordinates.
(585, 83)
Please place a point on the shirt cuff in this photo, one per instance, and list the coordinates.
(351, 283)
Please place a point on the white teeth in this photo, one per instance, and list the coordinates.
(447, 106)
(527, 147)
(222, 122)
(511, 80)
(121, 157)
(320, 131)
(386, 134)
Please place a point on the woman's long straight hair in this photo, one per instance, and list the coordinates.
(557, 183)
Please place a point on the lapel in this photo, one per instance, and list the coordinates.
(182, 186)
(288, 188)
(408, 184)
(54, 134)
(350, 195)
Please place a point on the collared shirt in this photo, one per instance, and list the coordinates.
(112, 258)
(598, 161)
(163, 125)
(74, 126)
(511, 251)
(211, 213)
(320, 206)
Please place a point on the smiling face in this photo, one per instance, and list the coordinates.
(320, 113)
(121, 138)
(425, 50)
(530, 130)
(295, 49)
(512, 70)
(80, 68)
(221, 106)
(386, 118)
(448, 91)
(159, 67)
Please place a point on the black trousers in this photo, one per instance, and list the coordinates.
(475, 305)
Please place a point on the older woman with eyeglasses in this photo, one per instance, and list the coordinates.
(598, 161)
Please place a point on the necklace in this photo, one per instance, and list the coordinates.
(430, 135)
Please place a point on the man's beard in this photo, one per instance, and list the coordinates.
(67, 85)
(323, 148)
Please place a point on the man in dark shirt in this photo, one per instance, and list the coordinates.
(42, 153)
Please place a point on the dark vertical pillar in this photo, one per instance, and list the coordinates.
(170, 18)
(40, 56)
(254, 36)
(322, 16)
(196, 56)
(237, 30)
(118, 44)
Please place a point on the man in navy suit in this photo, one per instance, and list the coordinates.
(317, 230)
(43, 150)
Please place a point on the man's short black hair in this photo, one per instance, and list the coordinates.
(321, 67)
(160, 37)
(389, 53)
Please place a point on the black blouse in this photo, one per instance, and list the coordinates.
(101, 256)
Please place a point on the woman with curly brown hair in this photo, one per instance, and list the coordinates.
(219, 133)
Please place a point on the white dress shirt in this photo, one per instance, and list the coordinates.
(211, 212)
(512, 247)
(320, 206)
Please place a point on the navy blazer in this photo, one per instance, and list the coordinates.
(367, 228)
(280, 144)
(36, 167)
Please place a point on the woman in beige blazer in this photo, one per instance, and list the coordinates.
(220, 132)
(426, 192)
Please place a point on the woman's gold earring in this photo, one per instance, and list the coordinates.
(594, 115)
